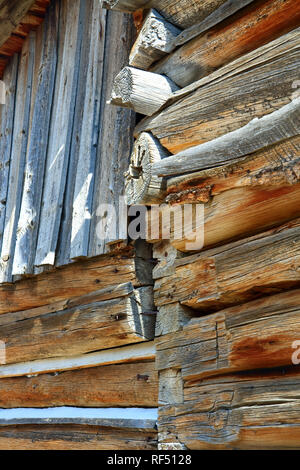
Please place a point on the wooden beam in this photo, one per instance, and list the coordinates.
(70, 281)
(155, 40)
(144, 92)
(252, 87)
(255, 138)
(255, 410)
(182, 13)
(235, 272)
(121, 385)
(265, 168)
(75, 437)
(217, 16)
(127, 354)
(237, 199)
(257, 24)
(86, 328)
(256, 335)
(257, 134)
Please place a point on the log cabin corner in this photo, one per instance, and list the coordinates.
(149, 224)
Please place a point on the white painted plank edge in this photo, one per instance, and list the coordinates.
(137, 352)
(141, 418)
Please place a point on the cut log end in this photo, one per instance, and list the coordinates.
(144, 92)
(141, 186)
(154, 41)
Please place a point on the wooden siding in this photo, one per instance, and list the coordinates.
(65, 150)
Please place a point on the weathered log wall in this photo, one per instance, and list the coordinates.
(77, 357)
(227, 329)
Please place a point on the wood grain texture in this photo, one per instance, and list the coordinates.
(226, 9)
(60, 133)
(233, 273)
(6, 133)
(138, 352)
(88, 119)
(182, 13)
(122, 385)
(142, 91)
(239, 199)
(18, 150)
(115, 143)
(272, 166)
(141, 186)
(67, 282)
(255, 410)
(44, 78)
(252, 87)
(257, 24)
(256, 335)
(258, 134)
(78, 330)
(75, 437)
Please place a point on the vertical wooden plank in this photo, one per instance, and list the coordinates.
(60, 133)
(82, 203)
(7, 113)
(64, 240)
(42, 96)
(18, 153)
(78, 199)
(115, 139)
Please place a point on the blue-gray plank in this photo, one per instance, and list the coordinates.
(63, 149)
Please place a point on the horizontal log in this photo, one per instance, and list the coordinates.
(257, 410)
(257, 24)
(108, 293)
(144, 92)
(121, 385)
(257, 134)
(182, 13)
(256, 335)
(234, 273)
(273, 166)
(73, 280)
(155, 40)
(128, 6)
(86, 328)
(127, 354)
(217, 16)
(254, 86)
(243, 198)
(141, 187)
(75, 437)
